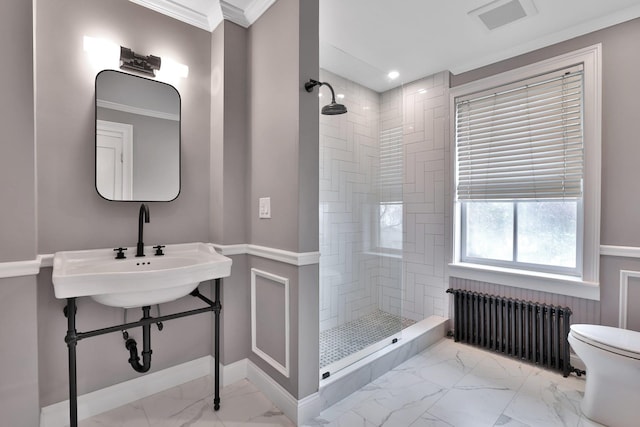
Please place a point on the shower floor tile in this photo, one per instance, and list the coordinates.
(341, 341)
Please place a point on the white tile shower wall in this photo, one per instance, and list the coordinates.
(426, 196)
(348, 196)
(354, 282)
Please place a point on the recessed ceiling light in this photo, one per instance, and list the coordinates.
(422, 91)
(340, 96)
(393, 75)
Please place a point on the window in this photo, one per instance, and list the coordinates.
(390, 226)
(527, 168)
(391, 178)
(520, 168)
(534, 235)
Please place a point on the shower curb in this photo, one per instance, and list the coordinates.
(415, 339)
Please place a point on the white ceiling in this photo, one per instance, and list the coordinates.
(363, 40)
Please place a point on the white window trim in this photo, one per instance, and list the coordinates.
(588, 285)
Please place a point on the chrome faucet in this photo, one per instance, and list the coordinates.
(144, 213)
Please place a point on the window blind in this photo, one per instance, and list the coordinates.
(391, 173)
(523, 141)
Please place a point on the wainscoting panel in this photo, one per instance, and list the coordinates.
(627, 293)
(270, 325)
(584, 310)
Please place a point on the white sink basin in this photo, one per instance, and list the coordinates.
(136, 282)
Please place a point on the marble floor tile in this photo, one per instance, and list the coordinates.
(454, 384)
(449, 384)
(191, 405)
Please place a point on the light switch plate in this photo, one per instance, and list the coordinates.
(264, 207)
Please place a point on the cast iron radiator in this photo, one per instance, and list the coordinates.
(533, 332)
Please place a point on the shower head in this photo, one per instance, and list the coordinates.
(330, 109)
(333, 109)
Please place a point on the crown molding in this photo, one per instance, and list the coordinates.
(209, 21)
(177, 11)
(245, 18)
(256, 8)
(234, 14)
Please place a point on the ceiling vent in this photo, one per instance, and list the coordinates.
(502, 12)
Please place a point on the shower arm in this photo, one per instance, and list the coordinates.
(313, 83)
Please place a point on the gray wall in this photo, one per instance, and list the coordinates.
(217, 183)
(19, 353)
(71, 215)
(274, 92)
(283, 155)
(18, 330)
(229, 163)
(228, 192)
(17, 232)
(620, 149)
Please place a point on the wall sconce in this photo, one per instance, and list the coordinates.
(129, 60)
(102, 53)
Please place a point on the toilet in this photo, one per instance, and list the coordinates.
(612, 358)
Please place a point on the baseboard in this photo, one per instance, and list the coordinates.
(232, 373)
(99, 401)
(299, 411)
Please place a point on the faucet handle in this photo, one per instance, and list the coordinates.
(120, 254)
(158, 249)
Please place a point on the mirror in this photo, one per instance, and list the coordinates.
(137, 138)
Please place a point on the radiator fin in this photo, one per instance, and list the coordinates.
(525, 330)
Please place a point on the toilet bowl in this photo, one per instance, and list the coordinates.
(612, 358)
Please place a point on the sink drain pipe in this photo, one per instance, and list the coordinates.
(132, 346)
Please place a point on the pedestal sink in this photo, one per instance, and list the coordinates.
(136, 281)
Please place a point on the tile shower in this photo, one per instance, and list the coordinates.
(367, 295)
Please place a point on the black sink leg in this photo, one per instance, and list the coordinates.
(71, 340)
(216, 347)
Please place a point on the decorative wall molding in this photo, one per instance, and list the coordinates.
(228, 250)
(25, 268)
(624, 295)
(620, 251)
(299, 259)
(32, 267)
(294, 258)
(283, 369)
